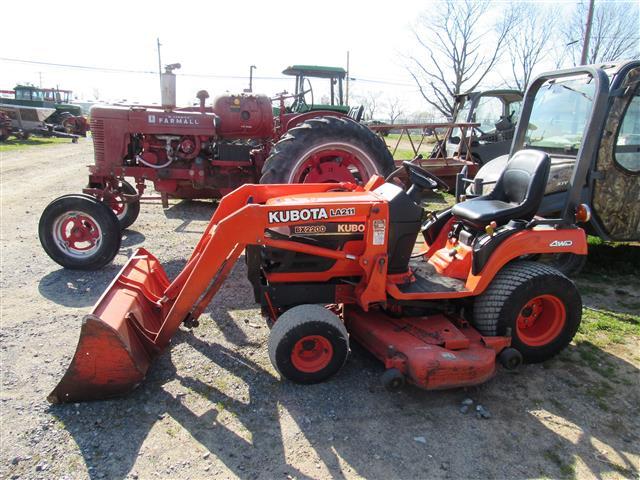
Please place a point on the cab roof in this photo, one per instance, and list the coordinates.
(315, 71)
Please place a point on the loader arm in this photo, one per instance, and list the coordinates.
(137, 316)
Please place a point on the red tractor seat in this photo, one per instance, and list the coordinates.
(516, 196)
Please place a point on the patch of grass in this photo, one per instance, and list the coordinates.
(599, 325)
(402, 154)
(13, 144)
(567, 470)
(435, 202)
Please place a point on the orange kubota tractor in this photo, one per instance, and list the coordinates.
(330, 263)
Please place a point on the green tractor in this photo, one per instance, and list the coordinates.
(327, 96)
(66, 117)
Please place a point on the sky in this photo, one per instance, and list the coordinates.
(214, 41)
(211, 38)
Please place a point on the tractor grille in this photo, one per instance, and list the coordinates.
(97, 132)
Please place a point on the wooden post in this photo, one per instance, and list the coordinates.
(587, 35)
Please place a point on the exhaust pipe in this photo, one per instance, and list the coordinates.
(168, 87)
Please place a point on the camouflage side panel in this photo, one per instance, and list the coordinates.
(616, 197)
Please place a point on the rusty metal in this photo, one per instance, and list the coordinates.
(437, 162)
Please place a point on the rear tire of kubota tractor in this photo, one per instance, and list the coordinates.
(327, 149)
(79, 232)
(308, 344)
(533, 303)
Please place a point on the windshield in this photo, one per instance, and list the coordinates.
(560, 112)
(488, 113)
(317, 92)
(463, 113)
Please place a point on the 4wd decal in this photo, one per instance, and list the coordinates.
(305, 214)
(561, 243)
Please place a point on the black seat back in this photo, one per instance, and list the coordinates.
(523, 182)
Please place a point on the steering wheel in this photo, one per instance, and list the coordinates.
(422, 179)
(300, 100)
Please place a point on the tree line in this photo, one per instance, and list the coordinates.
(458, 43)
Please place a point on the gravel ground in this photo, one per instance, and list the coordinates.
(212, 406)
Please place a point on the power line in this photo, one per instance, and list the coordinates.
(195, 75)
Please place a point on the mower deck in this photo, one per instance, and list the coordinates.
(431, 352)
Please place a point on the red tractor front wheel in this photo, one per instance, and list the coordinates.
(326, 150)
(79, 232)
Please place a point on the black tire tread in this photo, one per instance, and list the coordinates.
(276, 168)
(487, 306)
(109, 224)
(495, 311)
(297, 316)
(133, 209)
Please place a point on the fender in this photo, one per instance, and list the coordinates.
(527, 242)
(298, 118)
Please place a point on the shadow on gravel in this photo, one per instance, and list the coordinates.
(76, 288)
(348, 421)
(189, 211)
(580, 404)
(131, 238)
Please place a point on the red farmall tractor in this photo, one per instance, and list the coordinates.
(207, 152)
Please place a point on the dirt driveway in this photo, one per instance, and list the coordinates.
(213, 407)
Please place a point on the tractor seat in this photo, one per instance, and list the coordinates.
(516, 196)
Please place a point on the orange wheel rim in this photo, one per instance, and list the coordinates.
(311, 353)
(541, 320)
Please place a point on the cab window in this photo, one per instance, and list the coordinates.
(627, 149)
(488, 113)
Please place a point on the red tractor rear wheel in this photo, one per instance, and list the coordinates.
(327, 149)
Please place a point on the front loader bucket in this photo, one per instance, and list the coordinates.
(117, 339)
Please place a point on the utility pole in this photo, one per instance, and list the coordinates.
(587, 34)
(251, 78)
(159, 59)
(346, 102)
(40, 74)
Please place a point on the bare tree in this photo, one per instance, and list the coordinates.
(614, 32)
(394, 109)
(370, 102)
(528, 45)
(458, 49)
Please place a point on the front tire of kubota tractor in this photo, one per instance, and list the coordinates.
(308, 344)
(327, 149)
(79, 232)
(127, 213)
(535, 304)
